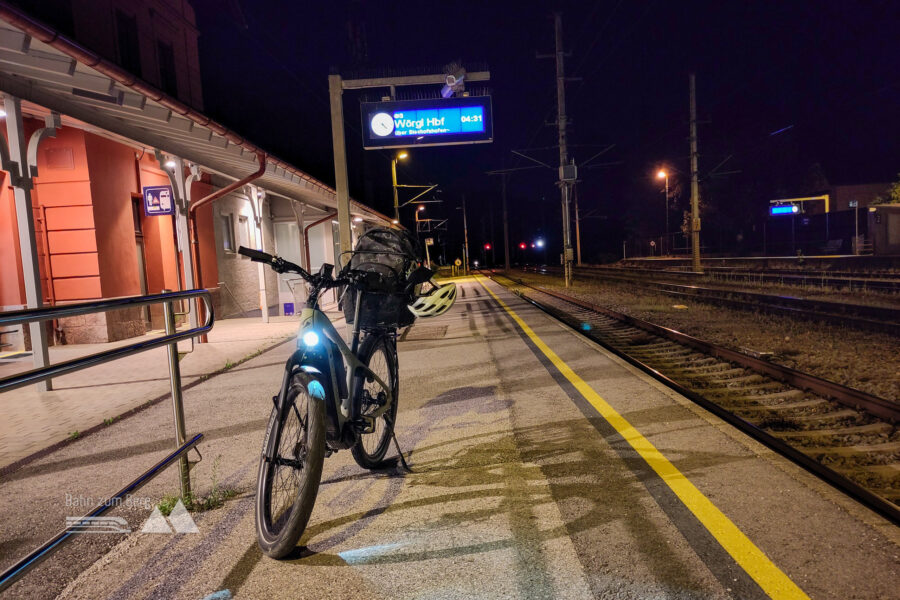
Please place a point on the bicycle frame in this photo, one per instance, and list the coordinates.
(329, 358)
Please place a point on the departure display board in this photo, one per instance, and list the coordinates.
(438, 122)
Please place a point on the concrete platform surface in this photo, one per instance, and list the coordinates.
(542, 468)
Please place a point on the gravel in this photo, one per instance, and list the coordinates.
(863, 360)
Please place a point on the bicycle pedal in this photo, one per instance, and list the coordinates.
(364, 425)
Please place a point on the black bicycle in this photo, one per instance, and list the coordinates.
(333, 397)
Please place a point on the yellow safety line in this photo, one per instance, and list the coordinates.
(753, 560)
(11, 354)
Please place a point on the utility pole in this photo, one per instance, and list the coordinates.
(564, 184)
(505, 222)
(577, 227)
(695, 185)
(466, 235)
(394, 186)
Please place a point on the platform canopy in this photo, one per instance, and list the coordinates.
(51, 73)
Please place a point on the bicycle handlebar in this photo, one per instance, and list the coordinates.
(255, 255)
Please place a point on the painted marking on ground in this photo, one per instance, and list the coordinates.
(754, 561)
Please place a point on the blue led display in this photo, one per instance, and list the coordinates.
(427, 122)
(788, 209)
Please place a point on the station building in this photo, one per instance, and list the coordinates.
(88, 127)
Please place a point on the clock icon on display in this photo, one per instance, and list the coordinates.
(382, 124)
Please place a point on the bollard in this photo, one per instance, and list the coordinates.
(177, 405)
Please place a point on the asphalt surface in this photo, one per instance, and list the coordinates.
(519, 489)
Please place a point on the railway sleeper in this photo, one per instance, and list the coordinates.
(720, 368)
(751, 378)
(882, 448)
(867, 429)
(684, 362)
(729, 390)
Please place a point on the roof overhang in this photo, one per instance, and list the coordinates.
(45, 69)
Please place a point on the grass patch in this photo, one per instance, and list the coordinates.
(109, 420)
(74, 435)
(195, 503)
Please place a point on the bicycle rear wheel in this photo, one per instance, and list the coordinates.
(379, 354)
(288, 482)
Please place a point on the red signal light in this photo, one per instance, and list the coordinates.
(487, 246)
(522, 245)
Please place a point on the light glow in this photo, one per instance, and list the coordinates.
(539, 243)
(310, 338)
(403, 154)
(662, 174)
(171, 164)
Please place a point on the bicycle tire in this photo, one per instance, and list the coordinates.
(370, 449)
(285, 494)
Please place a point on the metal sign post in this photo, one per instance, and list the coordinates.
(336, 87)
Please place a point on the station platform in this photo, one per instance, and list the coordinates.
(542, 467)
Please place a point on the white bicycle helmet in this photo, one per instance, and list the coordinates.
(436, 302)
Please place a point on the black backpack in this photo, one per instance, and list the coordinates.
(386, 257)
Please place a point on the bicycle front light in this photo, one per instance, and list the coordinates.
(310, 338)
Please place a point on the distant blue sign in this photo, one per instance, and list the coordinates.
(438, 122)
(785, 209)
(158, 200)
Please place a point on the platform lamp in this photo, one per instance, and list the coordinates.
(399, 156)
(663, 174)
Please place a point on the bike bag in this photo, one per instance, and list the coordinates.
(382, 260)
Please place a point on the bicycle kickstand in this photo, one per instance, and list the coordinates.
(399, 452)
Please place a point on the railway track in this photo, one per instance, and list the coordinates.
(845, 436)
(857, 316)
(851, 281)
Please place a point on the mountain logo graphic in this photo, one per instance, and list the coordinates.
(180, 520)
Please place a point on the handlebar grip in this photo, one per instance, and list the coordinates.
(255, 255)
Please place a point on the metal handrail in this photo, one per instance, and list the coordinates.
(71, 310)
(171, 339)
(15, 572)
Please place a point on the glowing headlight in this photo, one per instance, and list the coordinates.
(310, 338)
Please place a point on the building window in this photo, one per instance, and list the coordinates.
(168, 80)
(244, 231)
(128, 44)
(226, 222)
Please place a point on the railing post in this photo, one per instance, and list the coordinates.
(177, 405)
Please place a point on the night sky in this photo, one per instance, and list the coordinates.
(824, 75)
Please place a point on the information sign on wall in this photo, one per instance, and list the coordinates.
(158, 200)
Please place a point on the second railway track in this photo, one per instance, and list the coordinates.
(856, 316)
(845, 436)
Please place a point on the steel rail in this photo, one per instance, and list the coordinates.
(70, 310)
(853, 398)
(873, 282)
(878, 504)
(858, 315)
(16, 571)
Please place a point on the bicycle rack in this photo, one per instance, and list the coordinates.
(170, 339)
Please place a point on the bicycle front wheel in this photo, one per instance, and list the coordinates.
(290, 468)
(379, 354)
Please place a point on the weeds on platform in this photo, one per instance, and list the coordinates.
(194, 503)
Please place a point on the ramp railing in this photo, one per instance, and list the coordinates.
(170, 339)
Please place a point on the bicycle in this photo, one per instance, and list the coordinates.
(323, 406)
